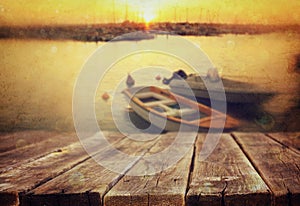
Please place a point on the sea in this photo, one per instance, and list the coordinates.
(38, 78)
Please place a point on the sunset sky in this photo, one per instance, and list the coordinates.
(29, 12)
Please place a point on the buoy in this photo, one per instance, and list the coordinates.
(130, 81)
(105, 96)
(158, 77)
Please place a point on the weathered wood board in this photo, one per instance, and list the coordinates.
(277, 165)
(32, 174)
(226, 177)
(167, 187)
(86, 183)
(14, 158)
(15, 140)
(291, 140)
(244, 169)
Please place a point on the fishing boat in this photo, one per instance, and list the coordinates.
(175, 110)
(135, 36)
(212, 87)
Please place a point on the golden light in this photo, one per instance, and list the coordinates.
(148, 16)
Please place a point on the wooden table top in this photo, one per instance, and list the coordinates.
(48, 168)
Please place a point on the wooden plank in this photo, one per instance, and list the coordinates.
(9, 199)
(14, 158)
(290, 140)
(81, 199)
(226, 177)
(32, 174)
(86, 183)
(167, 187)
(15, 140)
(278, 165)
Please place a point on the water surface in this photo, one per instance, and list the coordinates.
(37, 78)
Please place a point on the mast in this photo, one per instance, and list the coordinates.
(187, 14)
(175, 13)
(114, 12)
(126, 11)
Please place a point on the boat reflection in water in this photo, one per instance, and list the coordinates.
(135, 36)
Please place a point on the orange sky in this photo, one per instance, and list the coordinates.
(24, 12)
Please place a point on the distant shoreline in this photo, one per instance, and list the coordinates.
(107, 32)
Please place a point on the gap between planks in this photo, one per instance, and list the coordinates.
(192, 165)
(165, 186)
(20, 179)
(191, 168)
(226, 177)
(254, 166)
(275, 164)
(102, 178)
(289, 140)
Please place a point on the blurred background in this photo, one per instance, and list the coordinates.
(44, 45)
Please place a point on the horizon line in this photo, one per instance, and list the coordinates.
(151, 23)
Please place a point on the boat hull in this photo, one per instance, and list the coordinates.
(239, 93)
(219, 96)
(172, 112)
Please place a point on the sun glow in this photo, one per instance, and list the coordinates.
(148, 16)
(36, 12)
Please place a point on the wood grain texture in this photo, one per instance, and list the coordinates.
(278, 165)
(14, 158)
(86, 183)
(15, 140)
(167, 187)
(291, 140)
(32, 174)
(58, 171)
(226, 177)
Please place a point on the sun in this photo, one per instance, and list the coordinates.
(148, 16)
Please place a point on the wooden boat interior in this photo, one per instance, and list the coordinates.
(166, 104)
(178, 109)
